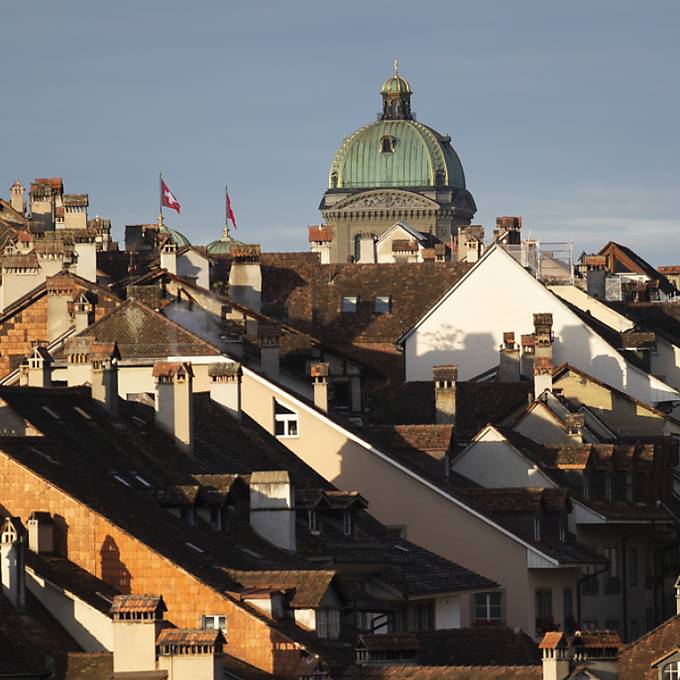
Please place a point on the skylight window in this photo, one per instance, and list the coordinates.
(141, 480)
(381, 304)
(49, 411)
(349, 304)
(138, 421)
(250, 552)
(84, 414)
(194, 547)
(118, 478)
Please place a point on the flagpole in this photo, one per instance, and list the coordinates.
(226, 211)
(160, 199)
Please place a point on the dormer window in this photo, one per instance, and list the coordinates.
(387, 143)
(381, 304)
(671, 671)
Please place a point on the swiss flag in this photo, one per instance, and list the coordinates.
(168, 198)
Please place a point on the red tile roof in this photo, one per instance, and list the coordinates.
(137, 603)
(636, 658)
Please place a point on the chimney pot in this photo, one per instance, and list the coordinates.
(320, 372)
(445, 378)
(174, 401)
(12, 575)
(225, 386)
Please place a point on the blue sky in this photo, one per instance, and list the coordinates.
(565, 113)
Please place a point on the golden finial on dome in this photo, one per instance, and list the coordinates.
(396, 68)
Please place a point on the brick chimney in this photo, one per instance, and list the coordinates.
(104, 358)
(272, 504)
(174, 401)
(575, 423)
(13, 540)
(41, 533)
(169, 256)
(39, 371)
(269, 335)
(225, 386)
(319, 372)
(509, 367)
(543, 358)
(445, 394)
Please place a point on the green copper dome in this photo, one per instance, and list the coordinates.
(178, 238)
(396, 153)
(224, 245)
(396, 85)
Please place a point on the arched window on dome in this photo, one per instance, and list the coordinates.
(439, 178)
(671, 671)
(394, 107)
(387, 144)
(334, 180)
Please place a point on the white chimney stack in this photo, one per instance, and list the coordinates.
(12, 544)
(104, 359)
(169, 256)
(39, 372)
(225, 386)
(543, 359)
(272, 507)
(269, 334)
(509, 368)
(41, 533)
(174, 401)
(319, 372)
(445, 378)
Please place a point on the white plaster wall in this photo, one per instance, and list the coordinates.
(666, 362)
(492, 462)
(540, 425)
(447, 612)
(89, 627)
(86, 267)
(599, 310)
(499, 295)
(305, 618)
(16, 284)
(193, 265)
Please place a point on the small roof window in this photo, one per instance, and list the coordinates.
(349, 304)
(381, 304)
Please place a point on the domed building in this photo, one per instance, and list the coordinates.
(394, 170)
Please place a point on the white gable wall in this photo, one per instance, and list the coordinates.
(193, 265)
(492, 462)
(466, 328)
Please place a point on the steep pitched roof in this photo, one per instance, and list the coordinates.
(636, 658)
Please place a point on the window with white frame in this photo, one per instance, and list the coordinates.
(488, 610)
(328, 623)
(349, 304)
(214, 621)
(285, 420)
(313, 521)
(671, 671)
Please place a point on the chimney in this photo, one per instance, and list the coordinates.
(272, 512)
(245, 276)
(78, 368)
(509, 368)
(137, 621)
(189, 654)
(174, 401)
(528, 343)
(319, 373)
(41, 533)
(366, 249)
(225, 386)
(104, 358)
(269, 334)
(12, 575)
(555, 657)
(445, 394)
(17, 198)
(82, 312)
(543, 359)
(575, 423)
(39, 372)
(169, 255)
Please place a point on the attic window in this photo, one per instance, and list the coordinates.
(387, 144)
(381, 304)
(671, 671)
(328, 623)
(537, 529)
(347, 523)
(313, 521)
(213, 621)
(285, 421)
(349, 304)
